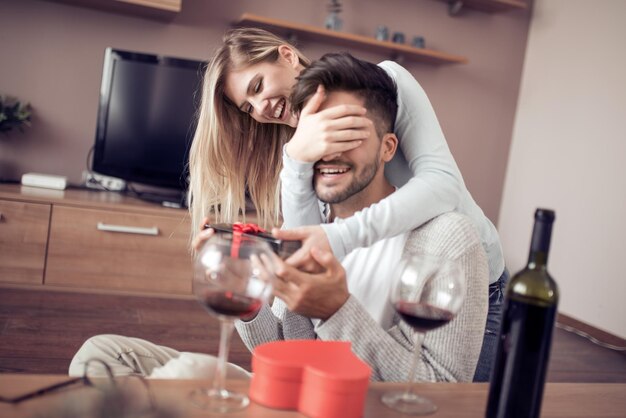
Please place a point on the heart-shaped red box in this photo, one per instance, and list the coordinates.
(321, 379)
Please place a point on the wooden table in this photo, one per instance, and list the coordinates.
(454, 400)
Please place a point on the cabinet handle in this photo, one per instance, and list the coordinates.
(128, 229)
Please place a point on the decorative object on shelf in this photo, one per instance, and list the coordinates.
(454, 7)
(398, 37)
(349, 40)
(333, 21)
(418, 42)
(382, 33)
(14, 114)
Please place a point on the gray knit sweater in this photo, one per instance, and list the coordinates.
(449, 353)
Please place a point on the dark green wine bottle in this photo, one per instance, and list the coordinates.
(528, 316)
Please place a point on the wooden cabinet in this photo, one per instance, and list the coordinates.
(91, 240)
(23, 240)
(118, 251)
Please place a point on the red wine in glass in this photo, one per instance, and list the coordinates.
(421, 316)
(232, 279)
(227, 303)
(427, 292)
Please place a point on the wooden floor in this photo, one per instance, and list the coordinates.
(41, 330)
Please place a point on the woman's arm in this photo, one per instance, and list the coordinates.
(435, 187)
(298, 200)
(319, 133)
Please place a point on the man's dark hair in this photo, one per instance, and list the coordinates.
(342, 72)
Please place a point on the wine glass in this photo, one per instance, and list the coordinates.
(427, 293)
(233, 277)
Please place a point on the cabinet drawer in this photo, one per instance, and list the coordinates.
(93, 248)
(23, 238)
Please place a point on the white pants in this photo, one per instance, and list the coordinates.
(134, 356)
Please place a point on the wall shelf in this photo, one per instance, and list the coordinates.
(314, 33)
(487, 6)
(152, 9)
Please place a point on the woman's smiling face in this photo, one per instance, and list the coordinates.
(263, 89)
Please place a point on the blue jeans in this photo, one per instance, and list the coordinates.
(494, 318)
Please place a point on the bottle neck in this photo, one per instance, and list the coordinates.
(540, 244)
(538, 260)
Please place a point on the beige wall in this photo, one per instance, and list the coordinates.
(52, 54)
(568, 153)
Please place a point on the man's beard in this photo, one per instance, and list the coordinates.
(359, 183)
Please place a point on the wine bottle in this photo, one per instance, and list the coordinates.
(529, 311)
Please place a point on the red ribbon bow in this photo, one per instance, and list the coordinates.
(245, 228)
(238, 230)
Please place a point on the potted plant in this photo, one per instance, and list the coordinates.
(13, 114)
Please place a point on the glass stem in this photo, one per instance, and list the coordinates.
(219, 383)
(417, 346)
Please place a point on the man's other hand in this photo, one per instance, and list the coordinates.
(315, 295)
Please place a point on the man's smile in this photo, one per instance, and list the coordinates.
(334, 171)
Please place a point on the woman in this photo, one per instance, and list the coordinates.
(239, 147)
(245, 121)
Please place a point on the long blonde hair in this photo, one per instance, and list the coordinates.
(231, 152)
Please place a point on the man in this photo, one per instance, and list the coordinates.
(349, 301)
(355, 306)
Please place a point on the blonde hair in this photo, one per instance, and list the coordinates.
(231, 152)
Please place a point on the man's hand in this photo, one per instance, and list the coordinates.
(317, 295)
(311, 237)
(328, 132)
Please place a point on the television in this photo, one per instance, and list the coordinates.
(146, 118)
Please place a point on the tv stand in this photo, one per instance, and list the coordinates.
(166, 200)
(50, 239)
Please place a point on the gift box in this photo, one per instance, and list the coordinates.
(321, 379)
(283, 248)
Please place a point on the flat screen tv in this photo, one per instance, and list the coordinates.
(146, 117)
